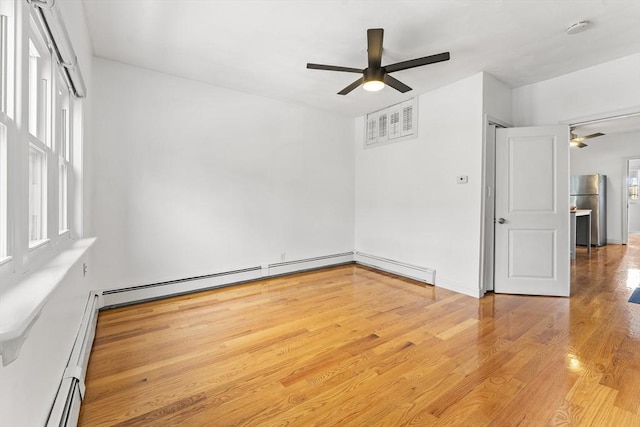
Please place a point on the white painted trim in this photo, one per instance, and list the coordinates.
(422, 274)
(608, 115)
(625, 200)
(487, 234)
(66, 405)
(457, 287)
(136, 294)
(21, 303)
(281, 268)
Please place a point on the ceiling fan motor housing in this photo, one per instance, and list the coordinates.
(373, 74)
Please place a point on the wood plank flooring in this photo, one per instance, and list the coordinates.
(349, 346)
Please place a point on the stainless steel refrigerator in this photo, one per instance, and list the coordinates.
(590, 192)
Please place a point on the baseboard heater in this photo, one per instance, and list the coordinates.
(136, 294)
(66, 406)
(422, 274)
(307, 264)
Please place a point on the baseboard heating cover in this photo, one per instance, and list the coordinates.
(135, 294)
(66, 406)
(422, 274)
(297, 266)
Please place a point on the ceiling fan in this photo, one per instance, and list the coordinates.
(578, 141)
(375, 76)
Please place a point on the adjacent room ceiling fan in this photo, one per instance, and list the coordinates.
(578, 141)
(375, 76)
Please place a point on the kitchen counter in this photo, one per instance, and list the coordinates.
(575, 214)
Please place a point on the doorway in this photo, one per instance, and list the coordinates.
(527, 252)
(631, 203)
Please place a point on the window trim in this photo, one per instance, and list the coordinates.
(31, 271)
(28, 26)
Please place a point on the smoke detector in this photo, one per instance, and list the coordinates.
(578, 27)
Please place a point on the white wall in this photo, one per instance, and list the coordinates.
(497, 99)
(606, 155)
(606, 88)
(193, 179)
(409, 207)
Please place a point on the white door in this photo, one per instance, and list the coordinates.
(532, 211)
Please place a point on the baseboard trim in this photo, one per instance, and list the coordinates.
(154, 291)
(421, 274)
(456, 287)
(298, 266)
(137, 294)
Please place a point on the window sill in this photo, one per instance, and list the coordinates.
(21, 303)
(5, 260)
(37, 243)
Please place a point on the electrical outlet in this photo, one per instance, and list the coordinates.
(462, 179)
(283, 256)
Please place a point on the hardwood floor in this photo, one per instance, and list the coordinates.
(352, 346)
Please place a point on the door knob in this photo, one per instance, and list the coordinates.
(501, 220)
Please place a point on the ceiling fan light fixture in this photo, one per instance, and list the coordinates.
(373, 79)
(373, 85)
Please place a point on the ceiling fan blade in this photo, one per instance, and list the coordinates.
(593, 135)
(576, 138)
(333, 68)
(396, 84)
(412, 63)
(352, 86)
(374, 46)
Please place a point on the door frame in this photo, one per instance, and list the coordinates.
(625, 199)
(487, 209)
(604, 117)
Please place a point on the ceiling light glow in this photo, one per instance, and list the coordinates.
(373, 85)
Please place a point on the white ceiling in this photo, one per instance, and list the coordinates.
(262, 46)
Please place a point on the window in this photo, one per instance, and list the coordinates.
(40, 146)
(3, 194)
(37, 196)
(63, 219)
(39, 89)
(40, 134)
(4, 61)
(63, 148)
(7, 125)
(7, 57)
(37, 170)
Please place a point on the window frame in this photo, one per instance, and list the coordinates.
(57, 115)
(8, 128)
